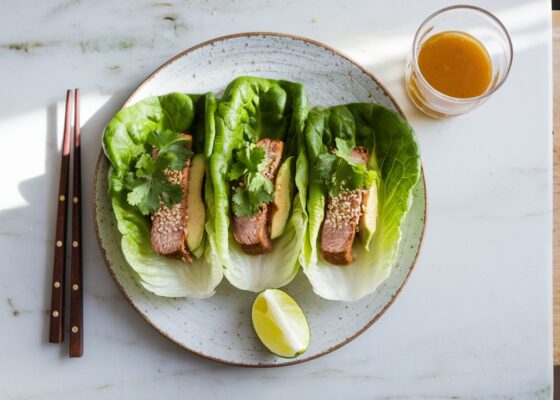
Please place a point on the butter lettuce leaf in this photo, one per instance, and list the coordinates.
(252, 109)
(127, 136)
(395, 158)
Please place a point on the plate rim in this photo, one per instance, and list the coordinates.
(288, 362)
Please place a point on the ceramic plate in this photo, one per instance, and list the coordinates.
(219, 328)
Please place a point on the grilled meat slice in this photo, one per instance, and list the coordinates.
(168, 233)
(274, 149)
(360, 155)
(253, 232)
(341, 219)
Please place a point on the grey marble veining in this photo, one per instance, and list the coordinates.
(474, 321)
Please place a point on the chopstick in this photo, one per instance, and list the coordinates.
(56, 330)
(58, 288)
(76, 280)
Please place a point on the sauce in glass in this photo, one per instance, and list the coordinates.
(455, 64)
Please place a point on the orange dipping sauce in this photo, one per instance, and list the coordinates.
(455, 64)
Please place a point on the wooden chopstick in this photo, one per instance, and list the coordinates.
(56, 331)
(76, 280)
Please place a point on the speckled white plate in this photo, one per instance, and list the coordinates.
(219, 328)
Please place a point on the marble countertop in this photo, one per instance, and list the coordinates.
(475, 319)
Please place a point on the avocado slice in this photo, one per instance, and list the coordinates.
(199, 251)
(368, 219)
(196, 212)
(283, 191)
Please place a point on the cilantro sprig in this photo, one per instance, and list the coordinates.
(338, 172)
(148, 184)
(253, 189)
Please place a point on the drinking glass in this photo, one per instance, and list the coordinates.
(476, 22)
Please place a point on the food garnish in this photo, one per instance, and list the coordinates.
(150, 183)
(253, 189)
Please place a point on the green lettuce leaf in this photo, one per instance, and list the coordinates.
(125, 137)
(251, 109)
(395, 158)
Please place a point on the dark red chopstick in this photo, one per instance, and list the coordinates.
(76, 280)
(56, 331)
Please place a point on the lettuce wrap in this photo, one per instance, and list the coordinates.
(125, 138)
(395, 159)
(252, 109)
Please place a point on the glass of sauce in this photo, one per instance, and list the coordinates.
(460, 56)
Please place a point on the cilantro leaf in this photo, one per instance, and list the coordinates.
(242, 204)
(149, 185)
(259, 161)
(338, 172)
(141, 196)
(237, 171)
(249, 159)
(260, 189)
(253, 188)
(248, 199)
(145, 166)
(172, 148)
(138, 193)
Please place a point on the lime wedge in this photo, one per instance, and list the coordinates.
(280, 323)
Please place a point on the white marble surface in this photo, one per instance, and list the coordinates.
(474, 320)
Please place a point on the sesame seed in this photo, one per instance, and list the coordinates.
(344, 209)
